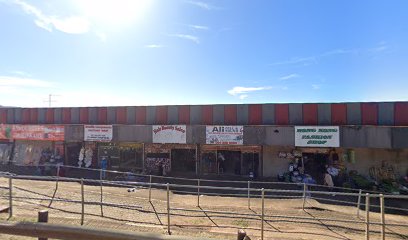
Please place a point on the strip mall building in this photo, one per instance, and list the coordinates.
(210, 139)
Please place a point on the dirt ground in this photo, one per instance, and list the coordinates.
(144, 216)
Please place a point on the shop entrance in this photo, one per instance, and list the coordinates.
(183, 160)
(229, 162)
(315, 165)
(250, 164)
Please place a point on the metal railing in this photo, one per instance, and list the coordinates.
(46, 230)
(248, 192)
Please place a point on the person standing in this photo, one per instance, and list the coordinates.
(104, 166)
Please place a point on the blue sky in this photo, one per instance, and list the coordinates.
(151, 52)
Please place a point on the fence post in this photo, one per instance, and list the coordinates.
(43, 217)
(367, 230)
(249, 194)
(82, 201)
(358, 203)
(150, 188)
(263, 213)
(382, 216)
(10, 196)
(168, 208)
(58, 171)
(56, 186)
(304, 196)
(198, 192)
(101, 184)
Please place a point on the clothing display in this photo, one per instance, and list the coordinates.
(5, 152)
(34, 153)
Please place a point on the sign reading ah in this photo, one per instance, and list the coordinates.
(225, 135)
(317, 136)
(169, 134)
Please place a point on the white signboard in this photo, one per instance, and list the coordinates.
(98, 133)
(225, 135)
(169, 134)
(317, 137)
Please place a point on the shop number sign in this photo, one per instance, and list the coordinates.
(317, 137)
(98, 133)
(225, 135)
(169, 134)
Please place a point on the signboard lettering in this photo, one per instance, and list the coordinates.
(225, 135)
(32, 132)
(98, 133)
(317, 136)
(169, 134)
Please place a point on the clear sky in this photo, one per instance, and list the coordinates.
(151, 52)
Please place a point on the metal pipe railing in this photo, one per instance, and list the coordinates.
(251, 192)
(46, 230)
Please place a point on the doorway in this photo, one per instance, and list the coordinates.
(183, 160)
(315, 165)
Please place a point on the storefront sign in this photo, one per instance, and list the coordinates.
(169, 134)
(32, 132)
(98, 133)
(317, 137)
(225, 135)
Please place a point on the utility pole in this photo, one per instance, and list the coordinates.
(50, 99)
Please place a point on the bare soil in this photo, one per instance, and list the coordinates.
(144, 216)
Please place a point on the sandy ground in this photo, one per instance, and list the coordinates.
(152, 217)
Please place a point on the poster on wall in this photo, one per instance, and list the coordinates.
(98, 133)
(32, 132)
(224, 135)
(169, 134)
(317, 136)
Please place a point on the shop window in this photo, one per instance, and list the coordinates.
(5, 152)
(112, 155)
(183, 160)
(229, 162)
(209, 163)
(157, 163)
(131, 158)
(250, 164)
(36, 153)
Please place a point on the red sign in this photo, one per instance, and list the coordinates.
(32, 132)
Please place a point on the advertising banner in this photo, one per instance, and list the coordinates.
(317, 137)
(32, 132)
(224, 135)
(169, 134)
(98, 133)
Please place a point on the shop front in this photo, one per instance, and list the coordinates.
(125, 157)
(32, 145)
(169, 153)
(84, 154)
(225, 154)
(230, 160)
(6, 144)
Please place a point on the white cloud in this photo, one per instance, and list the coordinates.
(243, 96)
(199, 27)
(21, 73)
(202, 5)
(187, 37)
(290, 76)
(305, 61)
(242, 90)
(296, 60)
(383, 46)
(11, 81)
(316, 86)
(154, 46)
(70, 25)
